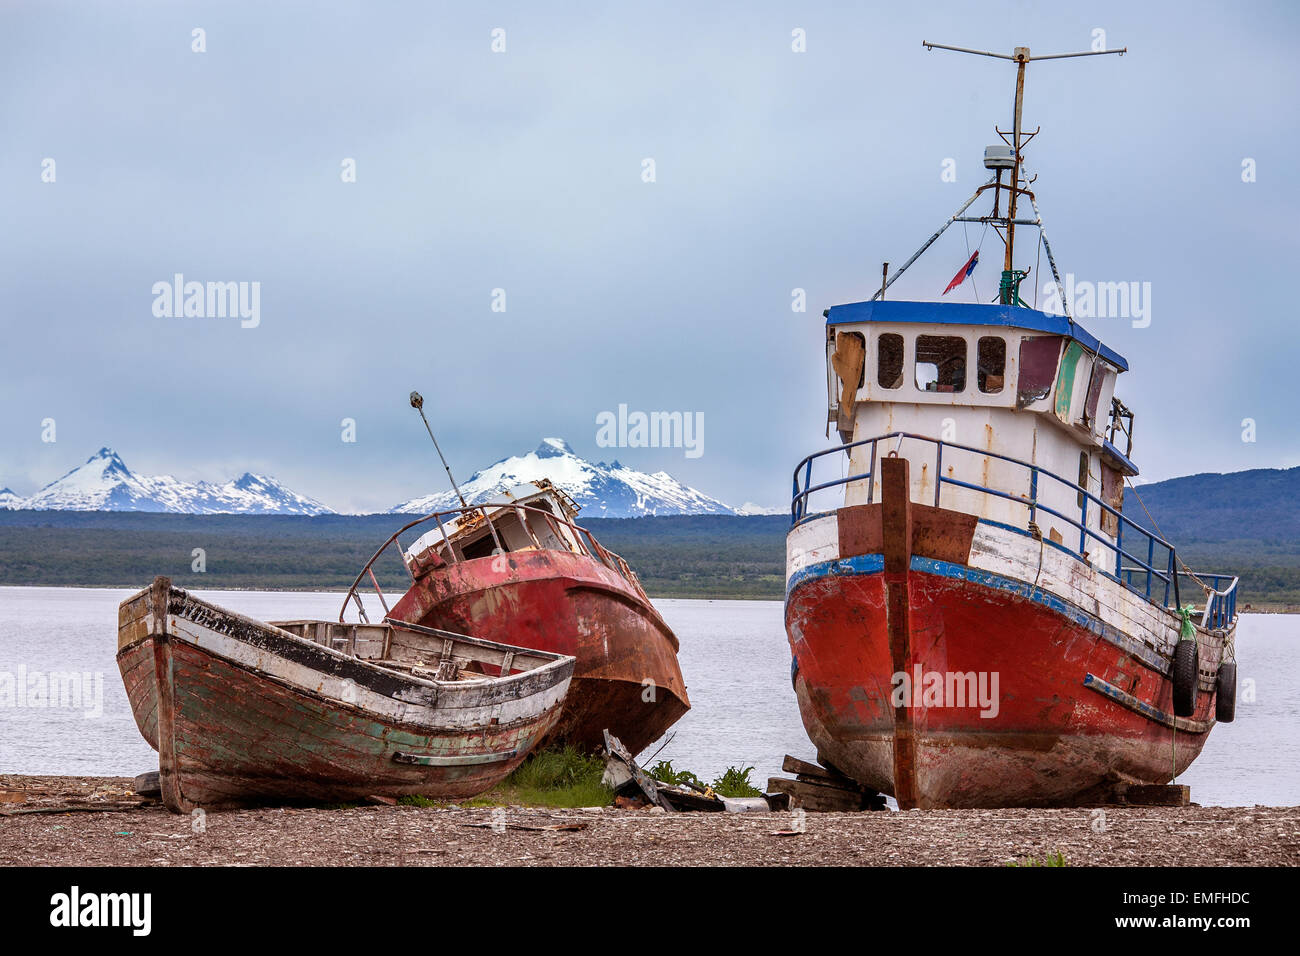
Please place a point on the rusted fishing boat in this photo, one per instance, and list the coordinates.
(245, 712)
(974, 619)
(518, 566)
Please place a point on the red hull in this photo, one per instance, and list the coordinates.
(627, 678)
(1072, 705)
(1053, 738)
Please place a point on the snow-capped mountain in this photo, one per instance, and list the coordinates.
(104, 483)
(8, 499)
(749, 508)
(603, 491)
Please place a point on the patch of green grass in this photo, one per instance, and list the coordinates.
(1055, 858)
(663, 772)
(416, 800)
(556, 777)
(565, 778)
(562, 778)
(735, 783)
(556, 769)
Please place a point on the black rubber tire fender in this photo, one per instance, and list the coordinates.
(1225, 693)
(1185, 678)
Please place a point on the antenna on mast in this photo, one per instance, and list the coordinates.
(1021, 57)
(417, 402)
(997, 159)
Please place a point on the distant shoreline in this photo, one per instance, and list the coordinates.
(700, 557)
(1261, 608)
(334, 589)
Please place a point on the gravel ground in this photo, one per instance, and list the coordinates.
(395, 835)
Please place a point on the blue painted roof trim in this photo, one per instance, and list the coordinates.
(1125, 463)
(971, 313)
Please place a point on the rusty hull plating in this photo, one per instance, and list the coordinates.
(518, 570)
(627, 678)
(1080, 705)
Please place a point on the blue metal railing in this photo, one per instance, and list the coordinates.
(1221, 605)
(1221, 601)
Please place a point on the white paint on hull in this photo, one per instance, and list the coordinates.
(436, 709)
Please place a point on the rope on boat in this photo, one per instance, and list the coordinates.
(1173, 750)
(1186, 629)
(979, 246)
(1038, 261)
(1186, 632)
(1205, 588)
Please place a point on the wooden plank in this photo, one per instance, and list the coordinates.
(1156, 795)
(814, 773)
(149, 784)
(803, 768)
(817, 797)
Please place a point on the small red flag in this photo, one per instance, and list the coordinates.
(963, 272)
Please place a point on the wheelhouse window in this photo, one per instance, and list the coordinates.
(1038, 357)
(889, 360)
(1099, 376)
(991, 363)
(940, 363)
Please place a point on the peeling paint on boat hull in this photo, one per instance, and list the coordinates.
(1084, 695)
(627, 678)
(242, 712)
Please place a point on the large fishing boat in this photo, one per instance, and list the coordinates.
(976, 620)
(516, 568)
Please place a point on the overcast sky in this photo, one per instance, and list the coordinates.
(522, 171)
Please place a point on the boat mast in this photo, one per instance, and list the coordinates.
(417, 402)
(1021, 57)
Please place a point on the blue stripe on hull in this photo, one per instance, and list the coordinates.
(862, 564)
(868, 564)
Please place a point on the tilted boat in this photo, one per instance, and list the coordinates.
(243, 712)
(976, 622)
(518, 567)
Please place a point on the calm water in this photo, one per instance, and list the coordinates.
(733, 654)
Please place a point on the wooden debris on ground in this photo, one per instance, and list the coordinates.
(19, 797)
(634, 788)
(553, 828)
(1153, 795)
(822, 789)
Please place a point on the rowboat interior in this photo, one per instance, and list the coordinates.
(423, 652)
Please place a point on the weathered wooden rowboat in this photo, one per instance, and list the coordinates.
(244, 712)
